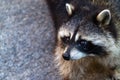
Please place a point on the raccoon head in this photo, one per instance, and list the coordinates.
(88, 35)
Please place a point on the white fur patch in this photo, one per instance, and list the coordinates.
(64, 32)
(77, 37)
(75, 54)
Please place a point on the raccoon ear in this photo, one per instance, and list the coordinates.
(69, 8)
(104, 17)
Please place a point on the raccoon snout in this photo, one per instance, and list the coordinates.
(66, 56)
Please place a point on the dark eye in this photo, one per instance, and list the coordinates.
(84, 45)
(65, 39)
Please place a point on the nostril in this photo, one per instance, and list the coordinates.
(66, 56)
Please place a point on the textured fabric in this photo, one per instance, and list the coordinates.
(27, 39)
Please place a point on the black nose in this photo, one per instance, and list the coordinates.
(66, 56)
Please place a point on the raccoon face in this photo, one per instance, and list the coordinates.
(76, 47)
(80, 37)
(81, 48)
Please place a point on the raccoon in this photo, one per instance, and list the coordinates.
(88, 39)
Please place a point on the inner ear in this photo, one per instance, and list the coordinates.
(69, 8)
(104, 17)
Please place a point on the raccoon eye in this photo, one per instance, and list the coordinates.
(83, 44)
(89, 47)
(65, 39)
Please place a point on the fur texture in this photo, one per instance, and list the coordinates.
(83, 23)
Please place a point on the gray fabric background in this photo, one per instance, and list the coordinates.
(27, 39)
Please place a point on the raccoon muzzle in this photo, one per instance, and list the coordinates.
(66, 56)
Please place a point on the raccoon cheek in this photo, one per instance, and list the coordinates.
(76, 54)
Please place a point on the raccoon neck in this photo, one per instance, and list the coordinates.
(80, 69)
